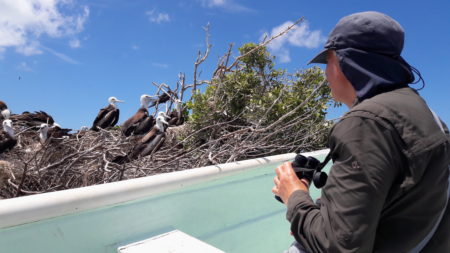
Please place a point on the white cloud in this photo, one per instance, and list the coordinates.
(23, 22)
(283, 55)
(31, 48)
(157, 17)
(75, 43)
(299, 36)
(228, 5)
(61, 56)
(213, 3)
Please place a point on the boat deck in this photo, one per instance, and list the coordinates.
(235, 213)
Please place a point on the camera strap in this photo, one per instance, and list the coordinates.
(324, 163)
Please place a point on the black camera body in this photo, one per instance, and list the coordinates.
(310, 169)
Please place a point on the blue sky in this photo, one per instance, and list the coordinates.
(67, 57)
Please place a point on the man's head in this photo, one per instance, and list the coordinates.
(368, 31)
(367, 48)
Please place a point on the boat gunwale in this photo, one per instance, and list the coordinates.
(32, 208)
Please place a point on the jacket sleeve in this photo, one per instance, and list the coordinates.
(366, 161)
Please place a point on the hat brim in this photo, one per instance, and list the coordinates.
(320, 58)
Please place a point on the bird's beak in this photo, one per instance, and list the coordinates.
(165, 122)
(120, 101)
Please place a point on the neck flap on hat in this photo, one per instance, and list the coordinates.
(371, 73)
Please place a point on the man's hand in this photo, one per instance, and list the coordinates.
(287, 182)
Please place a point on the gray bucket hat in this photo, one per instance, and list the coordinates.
(368, 31)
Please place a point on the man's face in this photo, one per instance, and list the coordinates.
(341, 89)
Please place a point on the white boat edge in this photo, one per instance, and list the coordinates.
(32, 208)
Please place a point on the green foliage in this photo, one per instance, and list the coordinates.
(257, 60)
(257, 94)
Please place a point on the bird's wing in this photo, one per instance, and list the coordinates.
(41, 116)
(109, 119)
(116, 117)
(101, 114)
(149, 135)
(145, 125)
(130, 124)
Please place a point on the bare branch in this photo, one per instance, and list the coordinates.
(201, 58)
(264, 43)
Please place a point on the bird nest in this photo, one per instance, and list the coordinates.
(80, 160)
(86, 157)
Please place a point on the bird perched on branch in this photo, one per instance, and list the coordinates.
(141, 122)
(47, 132)
(153, 139)
(107, 116)
(151, 142)
(176, 116)
(7, 137)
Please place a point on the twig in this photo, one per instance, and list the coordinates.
(263, 44)
(200, 58)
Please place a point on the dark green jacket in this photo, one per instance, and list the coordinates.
(388, 183)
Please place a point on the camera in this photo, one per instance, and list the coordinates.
(310, 169)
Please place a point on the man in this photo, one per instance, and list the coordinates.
(388, 187)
